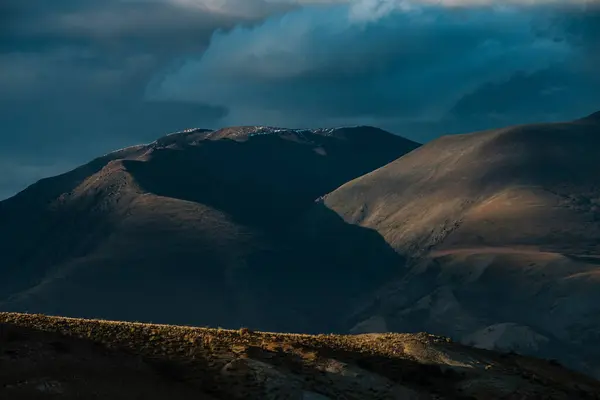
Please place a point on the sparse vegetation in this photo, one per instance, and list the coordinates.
(232, 364)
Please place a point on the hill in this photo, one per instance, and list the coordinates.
(192, 228)
(502, 232)
(46, 357)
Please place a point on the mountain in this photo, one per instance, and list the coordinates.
(194, 228)
(491, 238)
(501, 230)
(50, 357)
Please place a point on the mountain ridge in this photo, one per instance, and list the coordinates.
(192, 214)
(488, 222)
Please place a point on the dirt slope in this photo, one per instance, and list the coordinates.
(502, 229)
(49, 357)
(192, 228)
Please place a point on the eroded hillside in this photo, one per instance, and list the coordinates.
(502, 232)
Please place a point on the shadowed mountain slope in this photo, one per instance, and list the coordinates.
(502, 230)
(193, 228)
(47, 357)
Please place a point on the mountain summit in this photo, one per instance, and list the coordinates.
(194, 228)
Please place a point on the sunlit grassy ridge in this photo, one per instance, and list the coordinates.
(233, 364)
(173, 340)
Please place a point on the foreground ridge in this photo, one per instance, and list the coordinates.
(78, 358)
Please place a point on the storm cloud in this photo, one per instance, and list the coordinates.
(81, 77)
(401, 63)
(73, 76)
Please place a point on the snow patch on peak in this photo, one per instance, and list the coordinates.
(189, 130)
(124, 149)
(157, 141)
(270, 130)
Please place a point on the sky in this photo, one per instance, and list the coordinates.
(79, 78)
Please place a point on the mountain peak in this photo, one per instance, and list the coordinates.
(190, 196)
(360, 134)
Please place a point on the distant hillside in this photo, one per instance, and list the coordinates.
(502, 232)
(193, 228)
(48, 357)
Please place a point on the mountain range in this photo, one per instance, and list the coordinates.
(490, 238)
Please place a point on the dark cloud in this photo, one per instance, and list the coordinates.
(73, 76)
(81, 77)
(548, 95)
(403, 69)
(583, 30)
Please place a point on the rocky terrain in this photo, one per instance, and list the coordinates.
(50, 357)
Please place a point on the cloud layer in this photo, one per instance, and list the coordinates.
(80, 77)
(400, 60)
(73, 75)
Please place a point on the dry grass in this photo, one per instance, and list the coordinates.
(242, 364)
(172, 341)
